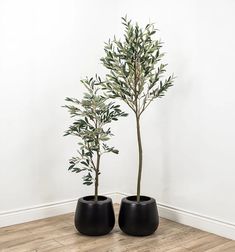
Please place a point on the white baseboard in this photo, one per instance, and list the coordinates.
(206, 223)
(36, 212)
(182, 216)
(45, 210)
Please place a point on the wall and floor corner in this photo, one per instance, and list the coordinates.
(188, 136)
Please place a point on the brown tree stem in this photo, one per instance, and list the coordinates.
(97, 176)
(140, 156)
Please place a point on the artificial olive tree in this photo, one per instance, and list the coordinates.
(135, 73)
(91, 117)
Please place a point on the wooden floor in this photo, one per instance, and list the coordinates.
(57, 234)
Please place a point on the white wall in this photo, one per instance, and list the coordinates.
(188, 136)
(46, 47)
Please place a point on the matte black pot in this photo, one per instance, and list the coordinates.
(138, 218)
(94, 217)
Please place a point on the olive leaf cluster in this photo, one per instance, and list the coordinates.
(135, 75)
(91, 116)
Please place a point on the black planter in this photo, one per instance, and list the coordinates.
(94, 218)
(138, 218)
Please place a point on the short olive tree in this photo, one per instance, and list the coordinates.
(135, 73)
(91, 116)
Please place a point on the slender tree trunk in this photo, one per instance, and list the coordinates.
(140, 156)
(97, 176)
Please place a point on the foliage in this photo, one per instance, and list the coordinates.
(91, 117)
(135, 74)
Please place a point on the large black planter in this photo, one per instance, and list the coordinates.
(94, 218)
(138, 218)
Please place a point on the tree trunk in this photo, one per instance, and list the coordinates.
(97, 176)
(140, 157)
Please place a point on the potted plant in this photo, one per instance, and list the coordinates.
(136, 77)
(94, 214)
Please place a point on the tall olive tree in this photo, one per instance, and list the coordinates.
(92, 115)
(136, 74)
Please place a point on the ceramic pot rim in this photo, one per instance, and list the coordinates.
(144, 200)
(90, 200)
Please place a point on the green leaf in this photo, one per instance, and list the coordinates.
(88, 183)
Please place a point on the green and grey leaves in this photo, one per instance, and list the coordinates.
(135, 75)
(91, 116)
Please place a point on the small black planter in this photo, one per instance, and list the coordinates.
(138, 218)
(94, 218)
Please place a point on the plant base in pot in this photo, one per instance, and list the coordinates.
(94, 217)
(138, 218)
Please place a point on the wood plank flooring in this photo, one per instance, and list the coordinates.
(57, 234)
